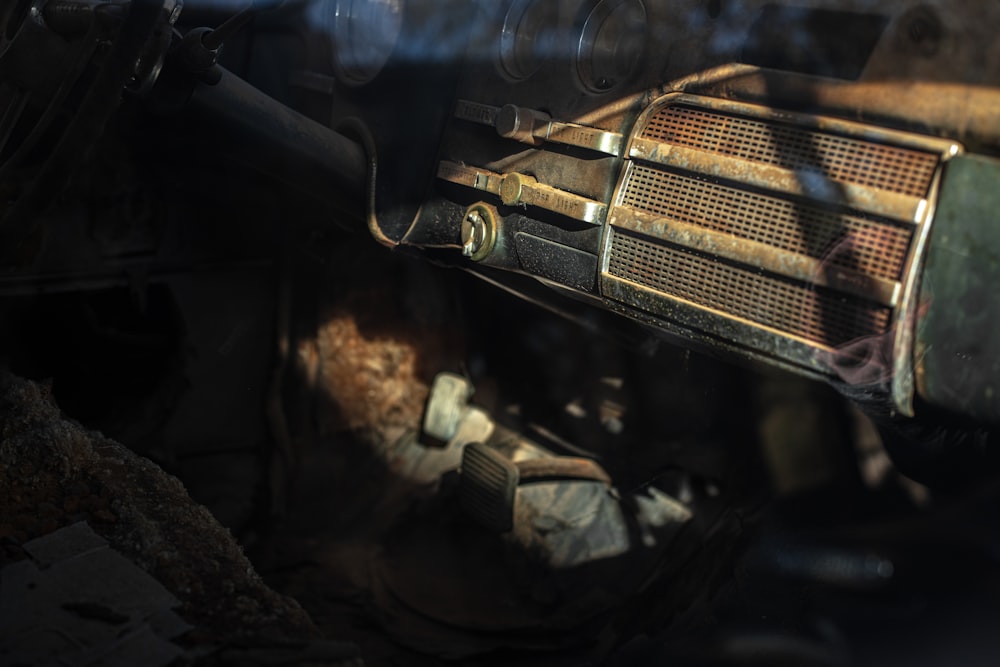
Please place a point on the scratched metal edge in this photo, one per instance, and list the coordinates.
(903, 384)
(757, 337)
(852, 129)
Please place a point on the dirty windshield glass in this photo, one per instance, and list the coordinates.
(490, 332)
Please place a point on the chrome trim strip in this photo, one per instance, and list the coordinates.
(903, 381)
(945, 148)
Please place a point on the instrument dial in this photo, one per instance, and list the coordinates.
(529, 37)
(364, 35)
(612, 44)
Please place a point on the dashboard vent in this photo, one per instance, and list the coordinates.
(841, 159)
(818, 315)
(786, 234)
(876, 247)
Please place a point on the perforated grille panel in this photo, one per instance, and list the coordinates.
(812, 313)
(843, 159)
(876, 248)
(706, 234)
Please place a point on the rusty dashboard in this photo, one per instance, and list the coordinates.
(785, 183)
(754, 178)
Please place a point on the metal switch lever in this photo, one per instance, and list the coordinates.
(520, 124)
(514, 189)
(533, 127)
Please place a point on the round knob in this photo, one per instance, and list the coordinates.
(512, 186)
(473, 233)
(519, 124)
(479, 231)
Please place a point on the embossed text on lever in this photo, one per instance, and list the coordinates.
(514, 189)
(534, 127)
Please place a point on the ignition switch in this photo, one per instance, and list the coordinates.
(479, 231)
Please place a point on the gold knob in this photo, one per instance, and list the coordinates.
(512, 186)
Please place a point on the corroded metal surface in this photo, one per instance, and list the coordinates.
(814, 185)
(800, 226)
(819, 316)
(760, 255)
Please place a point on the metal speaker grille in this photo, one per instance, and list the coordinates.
(819, 315)
(876, 248)
(843, 159)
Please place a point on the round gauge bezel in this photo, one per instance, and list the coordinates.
(346, 64)
(596, 20)
(511, 31)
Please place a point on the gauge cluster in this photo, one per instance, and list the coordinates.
(365, 33)
(598, 46)
(612, 44)
(606, 42)
(529, 35)
(603, 42)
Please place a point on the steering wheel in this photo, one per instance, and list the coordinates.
(63, 67)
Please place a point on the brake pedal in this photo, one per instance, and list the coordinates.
(487, 486)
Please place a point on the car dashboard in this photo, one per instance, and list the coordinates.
(471, 276)
(755, 179)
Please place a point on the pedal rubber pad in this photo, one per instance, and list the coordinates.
(487, 486)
